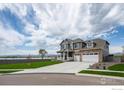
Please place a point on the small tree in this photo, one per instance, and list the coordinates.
(123, 53)
(29, 57)
(42, 52)
(123, 49)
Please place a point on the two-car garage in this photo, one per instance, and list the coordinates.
(90, 57)
(87, 57)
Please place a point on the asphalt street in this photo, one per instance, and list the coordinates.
(56, 79)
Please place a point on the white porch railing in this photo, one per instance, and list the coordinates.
(68, 58)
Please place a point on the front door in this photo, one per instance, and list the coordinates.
(77, 58)
(65, 57)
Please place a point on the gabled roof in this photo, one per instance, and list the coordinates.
(99, 39)
(98, 42)
(77, 40)
(66, 40)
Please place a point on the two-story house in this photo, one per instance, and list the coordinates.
(95, 50)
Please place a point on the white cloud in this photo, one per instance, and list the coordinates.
(60, 21)
(84, 20)
(18, 51)
(9, 37)
(115, 49)
(18, 9)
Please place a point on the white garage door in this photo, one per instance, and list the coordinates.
(90, 58)
(77, 57)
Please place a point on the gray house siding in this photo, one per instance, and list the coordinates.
(77, 48)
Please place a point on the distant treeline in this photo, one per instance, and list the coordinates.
(19, 56)
(26, 56)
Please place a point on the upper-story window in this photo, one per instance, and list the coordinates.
(62, 46)
(66, 46)
(76, 45)
(83, 45)
(90, 44)
(106, 46)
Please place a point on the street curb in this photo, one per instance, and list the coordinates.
(102, 76)
(40, 73)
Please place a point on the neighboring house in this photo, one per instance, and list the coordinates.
(95, 50)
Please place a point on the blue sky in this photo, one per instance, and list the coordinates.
(118, 37)
(25, 28)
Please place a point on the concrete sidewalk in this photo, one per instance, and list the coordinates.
(66, 67)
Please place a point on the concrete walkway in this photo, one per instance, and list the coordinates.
(66, 67)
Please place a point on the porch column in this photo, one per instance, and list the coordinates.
(81, 57)
(60, 56)
(101, 56)
(57, 56)
(67, 55)
(63, 55)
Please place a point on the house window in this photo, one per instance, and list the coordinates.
(89, 44)
(62, 46)
(77, 45)
(71, 46)
(65, 46)
(106, 46)
(74, 45)
(83, 45)
(68, 46)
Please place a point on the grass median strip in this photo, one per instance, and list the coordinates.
(27, 65)
(102, 73)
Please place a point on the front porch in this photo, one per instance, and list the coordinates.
(65, 56)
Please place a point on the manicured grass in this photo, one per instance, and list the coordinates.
(102, 73)
(27, 65)
(117, 67)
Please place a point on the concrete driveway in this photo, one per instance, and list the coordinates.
(66, 67)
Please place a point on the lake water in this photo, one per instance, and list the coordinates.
(24, 58)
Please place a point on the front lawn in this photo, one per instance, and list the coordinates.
(117, 67)
(102, 73)
(27, 65)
